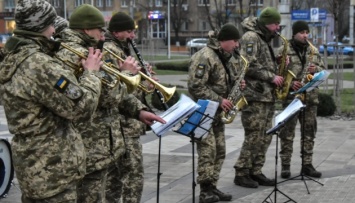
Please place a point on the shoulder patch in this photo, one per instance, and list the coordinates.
(72, 91)
(200, 71)
(250, 48)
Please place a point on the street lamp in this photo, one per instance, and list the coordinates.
(168, 34)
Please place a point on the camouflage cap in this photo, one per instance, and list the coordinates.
(60, 24)
(86, 17)
(34, 15)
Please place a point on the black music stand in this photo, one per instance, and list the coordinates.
(206, 118)
(281, 120)
(317, 80)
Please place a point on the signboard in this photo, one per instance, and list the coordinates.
(306, 14)
(314, 14)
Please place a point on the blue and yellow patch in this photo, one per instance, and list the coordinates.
(250, 48)
(200, 70)
(69, 89)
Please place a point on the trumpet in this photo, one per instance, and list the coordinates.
(167, 92)
(131, 82)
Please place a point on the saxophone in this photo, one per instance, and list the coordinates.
(282, 92)
(236, 96)
(306, 76)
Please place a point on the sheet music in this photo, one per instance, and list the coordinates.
(317, 79)
(201, 120)
(183, 108)
(294, 107)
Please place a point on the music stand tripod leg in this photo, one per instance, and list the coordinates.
(275, 190)
(302, 175)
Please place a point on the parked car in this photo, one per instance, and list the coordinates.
(331, 49)
(196, 44)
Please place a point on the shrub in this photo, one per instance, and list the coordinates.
(178, 66)
(326, 106)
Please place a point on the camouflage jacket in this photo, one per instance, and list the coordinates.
(208, 78)
(41, 101)
(300, 57)
(256, 47)
(131, 127)
(103, 138)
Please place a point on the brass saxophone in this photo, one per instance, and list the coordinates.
(306, 76)
(282, 92)
(236, 96)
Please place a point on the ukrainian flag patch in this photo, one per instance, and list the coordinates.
(62, 84)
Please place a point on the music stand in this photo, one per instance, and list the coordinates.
(280, 121)
(317, 80)
(196, 126)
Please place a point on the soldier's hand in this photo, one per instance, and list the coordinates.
(93, 61)
(226, 105)
(242, 85)
(278, 81)
(296, 85)
(130, 64)
(149, 118)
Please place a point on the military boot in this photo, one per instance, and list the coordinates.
(285, 171)
(245, 181)
(222, 196)
(309, 170)
(207, 195)
(263, 180)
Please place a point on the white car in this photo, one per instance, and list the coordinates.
(196, 44)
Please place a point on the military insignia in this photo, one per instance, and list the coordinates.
(250, 48)
(72, 91)
(200, 71)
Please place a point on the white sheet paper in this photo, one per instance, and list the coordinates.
(183, 108)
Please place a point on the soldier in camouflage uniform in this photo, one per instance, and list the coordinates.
(261, 80)
(103, 139)
(41, 102)
(127, 179)
(212, 72)
(304, 59)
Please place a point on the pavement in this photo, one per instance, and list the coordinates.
(333, 155)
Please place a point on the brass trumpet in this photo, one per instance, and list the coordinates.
(167, 92)
(131, 82)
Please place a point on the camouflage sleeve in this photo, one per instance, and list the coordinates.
(252, 50)
(130, 106)
(110, 58)
(59, 90)
(200, 69)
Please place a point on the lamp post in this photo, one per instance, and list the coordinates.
(168, 34)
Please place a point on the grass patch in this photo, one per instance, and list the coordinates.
(346, 76)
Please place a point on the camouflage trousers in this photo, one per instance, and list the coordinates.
(92, 187)
(211, 152)
(287, 135)
(256, 119)
(67, 196)
(128, 184)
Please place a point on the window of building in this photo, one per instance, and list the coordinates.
(99, 3)
(79, 2)
(124, 3)
(259, 2)
(158, 3)
(231, 2)
(204, 26)
(185, 26)
(9, 3)
(108, 3)
(203, 2)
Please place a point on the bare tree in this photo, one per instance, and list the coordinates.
(221, 13)
(178, 16)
